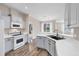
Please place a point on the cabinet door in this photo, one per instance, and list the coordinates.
(78, 14)
(16, 19)
(67, 15)
(52, 48)
(73, 14)
(39, 42)
(8, 44)
(42, 42)
(46, 44)
(2, 50)
(6, 21)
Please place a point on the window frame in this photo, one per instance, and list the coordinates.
(42, 27)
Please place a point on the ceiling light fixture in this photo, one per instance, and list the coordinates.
(26, 7)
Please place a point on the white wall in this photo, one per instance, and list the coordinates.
(35, 26)
(2, 47)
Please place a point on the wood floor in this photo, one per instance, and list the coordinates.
(28, 50)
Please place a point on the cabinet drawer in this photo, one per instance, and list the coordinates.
(51, 41)
(8, 39)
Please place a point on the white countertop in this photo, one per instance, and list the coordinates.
(46, 36)
(25, 33)
(43, 34)
(7, 36)
(67, 46)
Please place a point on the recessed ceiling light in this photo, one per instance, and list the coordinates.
(26, 7)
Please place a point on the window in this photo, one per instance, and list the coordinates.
(46, 27)
(68, 30)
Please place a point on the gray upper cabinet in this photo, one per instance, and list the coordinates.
(6, 21)
(67, 15)
(72, 15)
(77, 13)
(66, 19)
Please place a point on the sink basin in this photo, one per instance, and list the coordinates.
(56, 37)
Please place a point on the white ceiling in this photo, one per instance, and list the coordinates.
(41, 11)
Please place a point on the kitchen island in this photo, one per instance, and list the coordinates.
(66, 47)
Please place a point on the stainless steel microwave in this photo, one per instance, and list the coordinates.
(16, 25)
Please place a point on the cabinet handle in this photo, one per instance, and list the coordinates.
(49, 43)
(76, 15)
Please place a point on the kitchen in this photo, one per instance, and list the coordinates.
(35, 32)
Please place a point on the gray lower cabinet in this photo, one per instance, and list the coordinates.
(39, 42)
(8, 44)
(51, 47)
(46, 43)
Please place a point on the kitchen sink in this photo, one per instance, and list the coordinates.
(56, 37)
